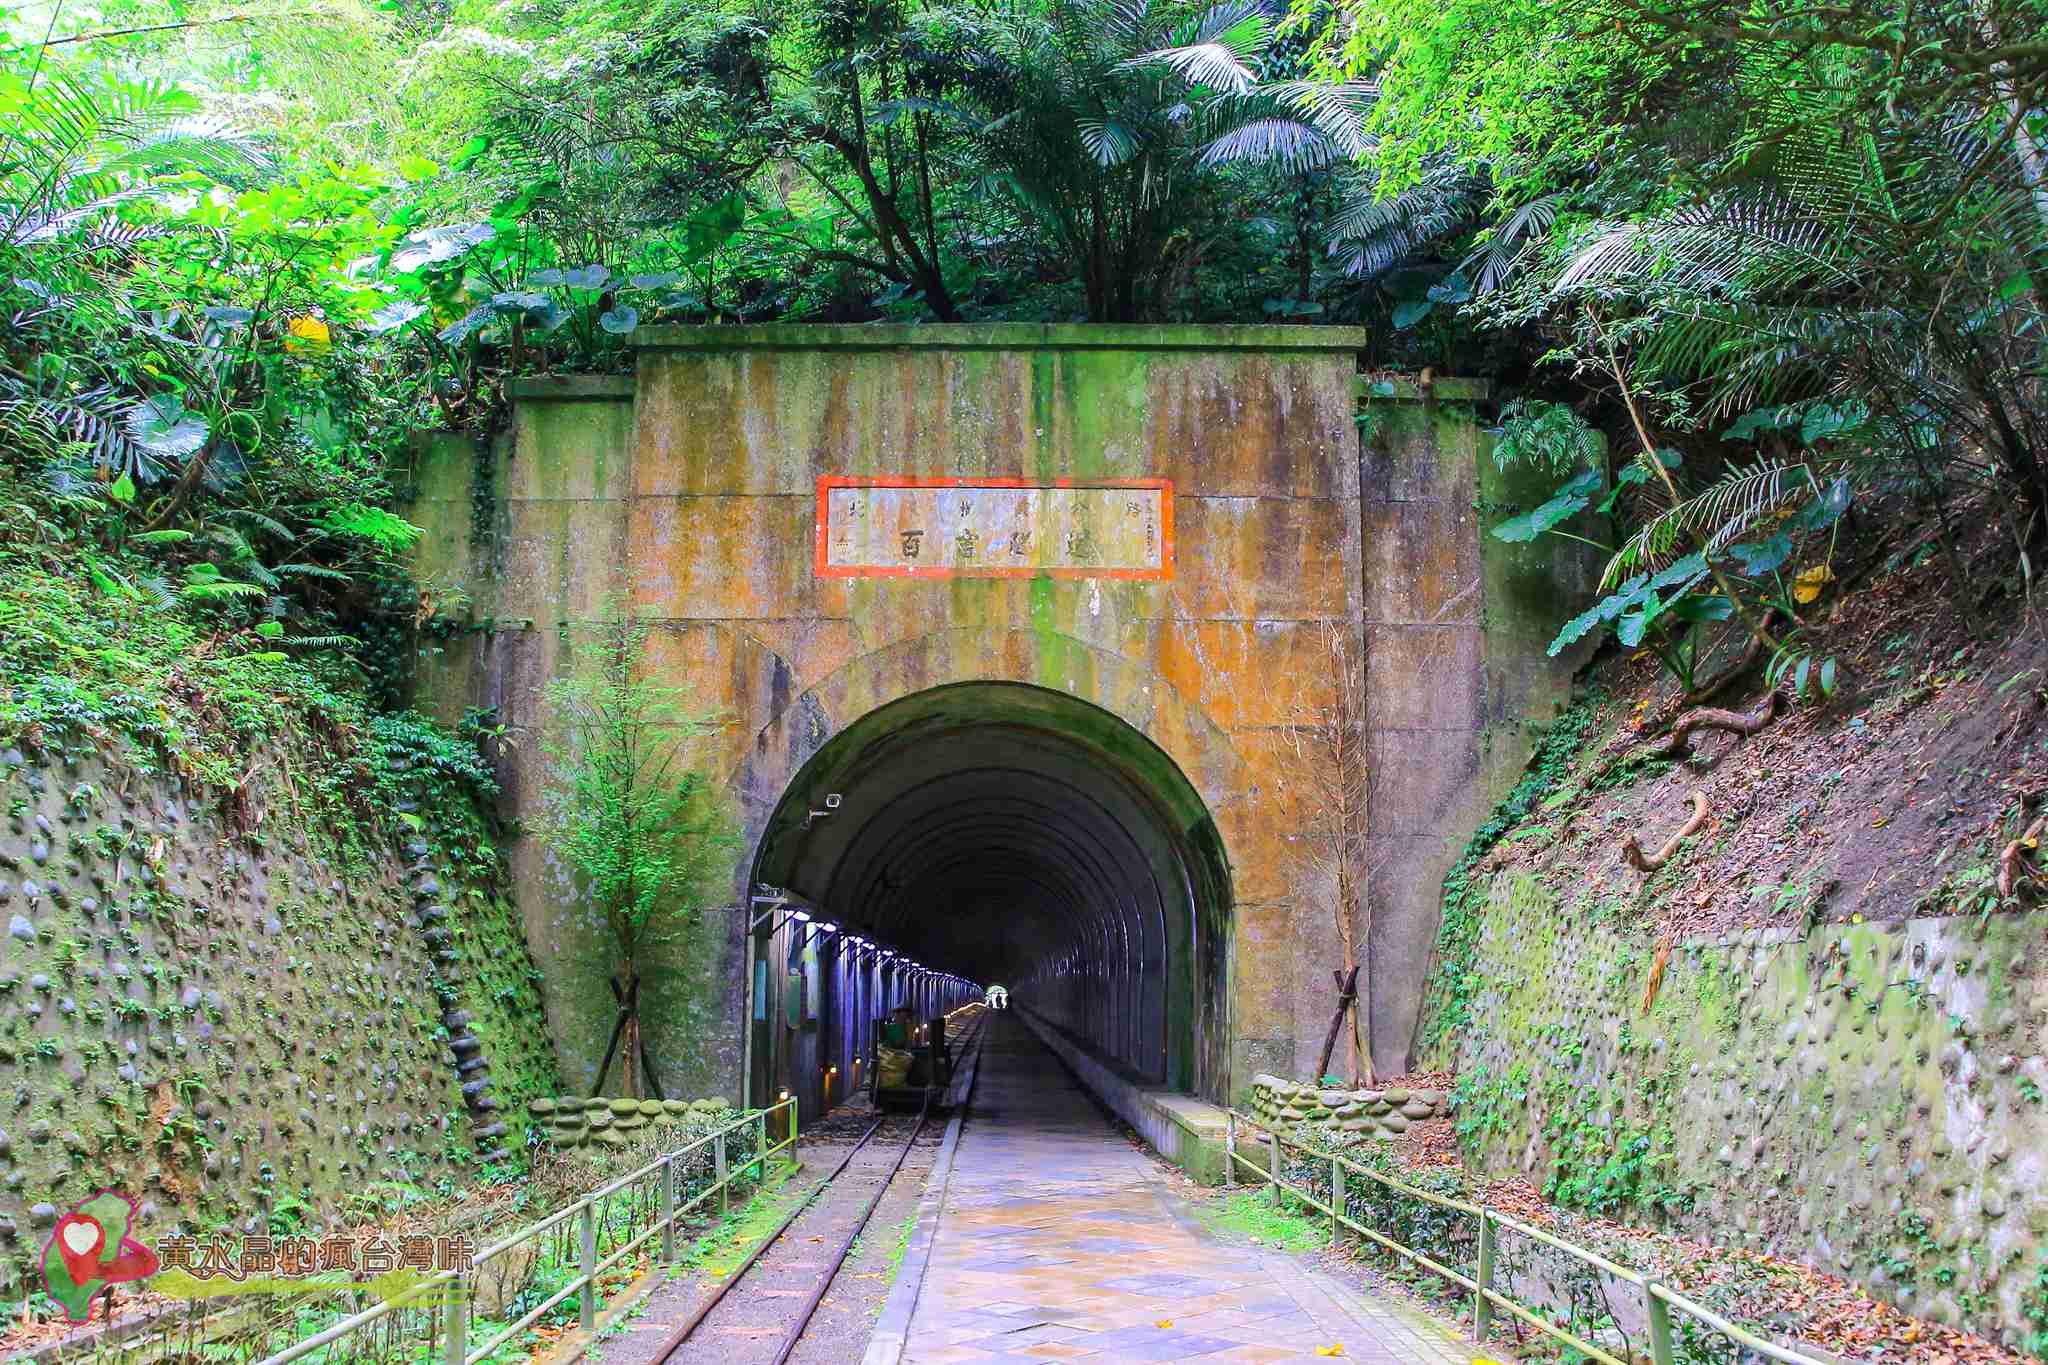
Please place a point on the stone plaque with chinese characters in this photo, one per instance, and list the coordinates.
(994, 528)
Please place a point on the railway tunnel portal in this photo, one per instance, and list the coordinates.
(1011, 630)
(1001, 832)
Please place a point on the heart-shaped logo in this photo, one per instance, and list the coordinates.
(90, 1250)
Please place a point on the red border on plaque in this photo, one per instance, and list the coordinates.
(822, 535)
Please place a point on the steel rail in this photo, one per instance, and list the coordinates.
(810, 1308)
(675, 1339)
(678, 1338)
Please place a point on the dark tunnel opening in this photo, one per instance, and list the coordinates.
(1006, 834)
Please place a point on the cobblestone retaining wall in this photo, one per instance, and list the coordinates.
(571, 1122)
(1383, 1113)
(237, 1024)
(1867, 1098)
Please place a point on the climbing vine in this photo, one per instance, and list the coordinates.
(1464, 896)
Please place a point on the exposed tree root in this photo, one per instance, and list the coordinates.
(1679, 745)
(1657, 965)
(1714, 686)
(1650, 862)
(2012, 863)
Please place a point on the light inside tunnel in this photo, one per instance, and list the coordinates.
(998, 832)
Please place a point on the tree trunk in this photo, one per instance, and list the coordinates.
(1347, 941)
(629, 1045)
(1361, 1020)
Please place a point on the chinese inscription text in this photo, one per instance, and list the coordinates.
(994, 528)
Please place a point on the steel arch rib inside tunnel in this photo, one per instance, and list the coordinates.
(993, 831)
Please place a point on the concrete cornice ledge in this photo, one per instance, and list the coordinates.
(1002, 336)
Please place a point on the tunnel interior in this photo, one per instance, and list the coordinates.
(998, 833)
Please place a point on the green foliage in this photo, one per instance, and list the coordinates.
(1544, 436)
(386, 531)
(1602, 1164)
(1809, 247)
(1575, 497)
(642, 830)
(1663, 610)
(645, 835)
(2034, 1308)
(1251, 1216)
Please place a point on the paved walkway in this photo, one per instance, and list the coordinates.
(1058, 1240)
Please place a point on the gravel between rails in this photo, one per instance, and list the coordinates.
(747, 1327)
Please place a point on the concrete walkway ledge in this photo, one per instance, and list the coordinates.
(1191, 1133)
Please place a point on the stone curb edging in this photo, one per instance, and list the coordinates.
(1379, 1113)
(892, 1329)
(567, 1122)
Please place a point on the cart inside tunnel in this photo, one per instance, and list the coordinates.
(910, 1063)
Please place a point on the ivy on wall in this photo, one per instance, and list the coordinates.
(1447, 1003)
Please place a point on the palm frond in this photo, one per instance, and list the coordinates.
(1109, 142)
(97, 420)
(1289, 143)
(1714, 518)
(1369, 235)
(74, 149)
(1215, 49)
(1510, 242)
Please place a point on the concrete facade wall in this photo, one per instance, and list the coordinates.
(1190, 1134)
(1456, 628)
(689, 493)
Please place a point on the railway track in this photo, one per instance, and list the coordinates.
(763, 1312)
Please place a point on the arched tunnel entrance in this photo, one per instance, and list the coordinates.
(993, 832)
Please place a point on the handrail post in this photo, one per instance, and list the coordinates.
(761, 1147)
(1337, 1200)
(1230, 1149)
(668, 1210)
(457, 1321)
(718, 1173)
(1273, 1164)
(588, 1305)
(1482, 1307)
(792, 1127)
(1659, 1314)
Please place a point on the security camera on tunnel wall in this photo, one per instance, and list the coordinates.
(831, 804)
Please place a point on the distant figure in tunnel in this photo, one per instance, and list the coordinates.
(998, 997)
(900, 1028)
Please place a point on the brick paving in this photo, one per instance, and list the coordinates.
(1058, 1240)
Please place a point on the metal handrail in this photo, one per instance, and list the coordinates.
(1658, 1299)
(459, 1284)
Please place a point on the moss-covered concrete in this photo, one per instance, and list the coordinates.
(694, 494)
(247, 1015)
(1867, 1098)
(1457, 625)
(1006, 336)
